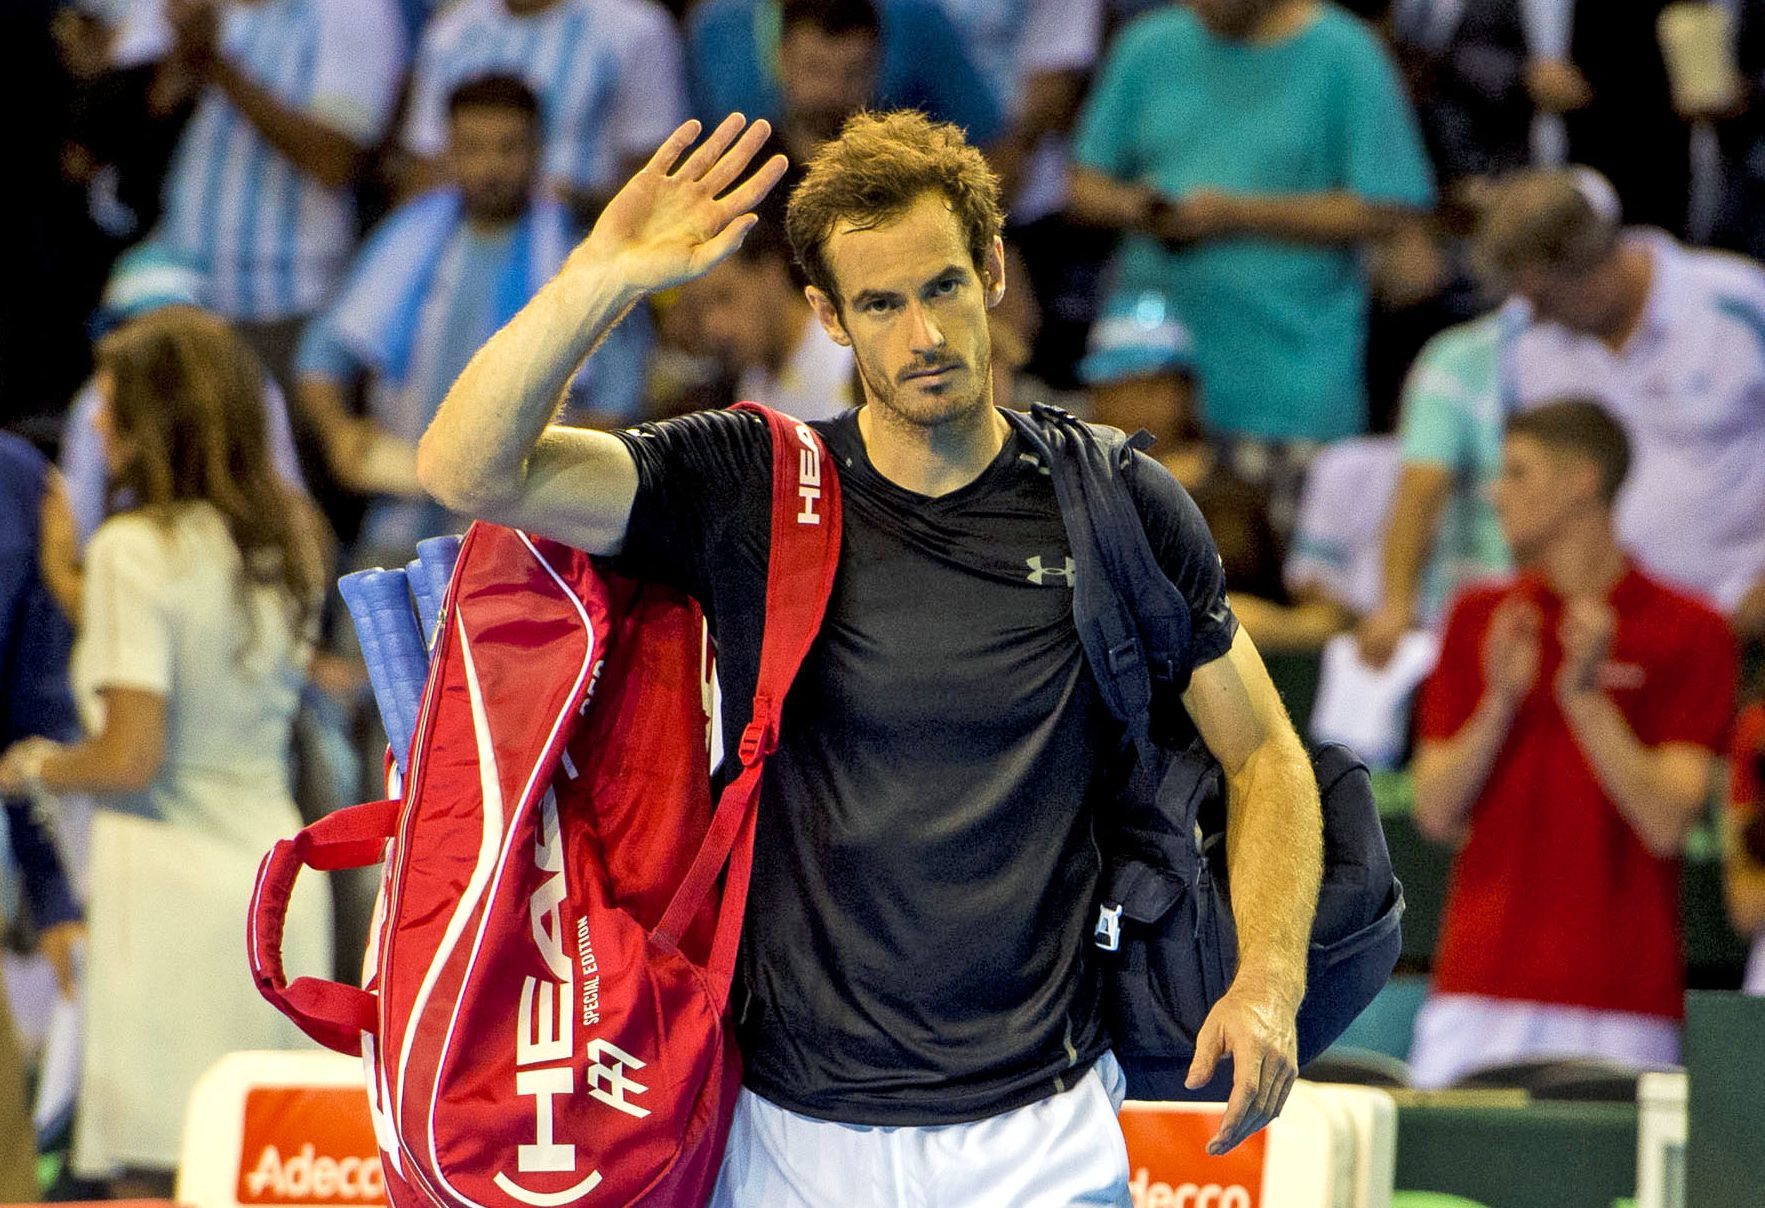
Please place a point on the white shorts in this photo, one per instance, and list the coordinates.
(1064, 1150)
(1457, 1034)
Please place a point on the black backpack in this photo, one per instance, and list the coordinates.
(1164, 919)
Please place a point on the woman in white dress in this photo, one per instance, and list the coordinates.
(197, 612)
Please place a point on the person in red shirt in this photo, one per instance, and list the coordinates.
(1568, 739)
(1745, 864)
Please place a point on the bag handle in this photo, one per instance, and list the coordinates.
(330, 1012)
(805, 550)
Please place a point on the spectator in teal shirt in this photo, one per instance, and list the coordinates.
(1251, 149)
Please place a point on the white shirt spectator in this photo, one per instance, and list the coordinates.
(272, 240)
(815, 383)
(1338, 552)
(1689, 386)
(1013, 40)
(1339, 535)
(607, 74)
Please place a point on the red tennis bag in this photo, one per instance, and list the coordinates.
(545, 1023)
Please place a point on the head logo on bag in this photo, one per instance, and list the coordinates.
(544, 1028)
(808, 475)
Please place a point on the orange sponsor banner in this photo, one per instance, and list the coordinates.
(309, 1145)
(1169, 1166)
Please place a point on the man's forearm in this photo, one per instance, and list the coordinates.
(1450, 774)
(1409, 533)
(1101, 201)
(1275, 850)
(1658, 795)
(476, 451)
(323, 153)
(1324, 218)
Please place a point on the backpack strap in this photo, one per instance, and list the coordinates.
(1132, 620)
(805, 552)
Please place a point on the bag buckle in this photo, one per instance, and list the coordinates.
(1108, 932)
(760, 737)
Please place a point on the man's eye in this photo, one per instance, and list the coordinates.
(946, 287)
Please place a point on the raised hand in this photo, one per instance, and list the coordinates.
(670, 224)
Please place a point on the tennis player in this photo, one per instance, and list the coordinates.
(917, 1003)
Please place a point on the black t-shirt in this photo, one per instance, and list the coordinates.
(917, 941)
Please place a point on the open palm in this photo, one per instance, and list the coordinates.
(666, 227)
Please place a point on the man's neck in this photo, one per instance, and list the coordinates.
(1585, 559)
(1282, 22)
(932, 461)
(1636, 268)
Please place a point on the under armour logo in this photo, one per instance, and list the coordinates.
(608, 1083)
(1041, 575)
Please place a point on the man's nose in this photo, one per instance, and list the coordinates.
(926, 335)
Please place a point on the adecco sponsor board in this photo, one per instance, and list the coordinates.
(1169, 1166)
(309, 1145)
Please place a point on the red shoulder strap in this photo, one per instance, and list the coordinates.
(805, 553)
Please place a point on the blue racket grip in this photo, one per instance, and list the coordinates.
(427, 604)
(436, 556)
(379, 603)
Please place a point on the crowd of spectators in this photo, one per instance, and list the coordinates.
(1419, 296)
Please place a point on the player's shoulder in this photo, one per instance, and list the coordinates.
(1475, 602)
(712, 435)
(1675, 610)
(1163, 30)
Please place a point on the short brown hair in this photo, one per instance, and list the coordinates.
(1563, 219)
(1584, 428)
(875, 170)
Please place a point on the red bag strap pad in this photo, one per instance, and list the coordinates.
(804, 556)
(330, 1012)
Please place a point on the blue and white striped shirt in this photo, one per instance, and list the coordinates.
(607, 72)
(272, 240)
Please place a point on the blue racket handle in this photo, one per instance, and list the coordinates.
(428, 605)
(379, 603)
(436, 557)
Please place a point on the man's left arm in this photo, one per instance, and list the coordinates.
(1275, 855)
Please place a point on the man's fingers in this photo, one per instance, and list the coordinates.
(1239, 1108)
(734, 161)
(754, 189)
(1272, 1089)
(672, 148)
(708, 152)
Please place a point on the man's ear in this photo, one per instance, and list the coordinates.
(827, 312)
(993, 273)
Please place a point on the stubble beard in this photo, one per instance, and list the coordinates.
(900, 403)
